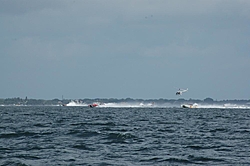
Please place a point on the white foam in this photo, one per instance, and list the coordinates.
(225, 106)
(76, 103)
(155, 105)
(126, 105)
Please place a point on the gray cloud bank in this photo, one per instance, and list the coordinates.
(139, 49)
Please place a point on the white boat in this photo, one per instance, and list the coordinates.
(189, 105)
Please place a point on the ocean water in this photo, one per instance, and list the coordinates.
(46, 135)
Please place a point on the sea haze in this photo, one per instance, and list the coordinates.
(49, 135)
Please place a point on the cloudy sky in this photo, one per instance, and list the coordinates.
(125, 48)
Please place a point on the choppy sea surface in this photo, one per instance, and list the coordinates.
(47, 135)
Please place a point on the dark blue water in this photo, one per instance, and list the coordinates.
(124, 136)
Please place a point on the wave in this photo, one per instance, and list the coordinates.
(156, 105)
(225, 106)
(76, 103)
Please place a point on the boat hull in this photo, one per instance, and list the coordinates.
(189, 105)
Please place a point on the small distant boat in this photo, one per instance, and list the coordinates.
(93, 105)
(189, 105)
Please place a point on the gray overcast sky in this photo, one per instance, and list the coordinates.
(127, 48)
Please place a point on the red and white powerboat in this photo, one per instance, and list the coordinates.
(93, 105)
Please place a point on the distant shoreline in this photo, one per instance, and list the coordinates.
(26, 101)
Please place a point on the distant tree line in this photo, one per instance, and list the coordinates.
(26, 101)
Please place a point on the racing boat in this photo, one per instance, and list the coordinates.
(93, 105)
(189, 105)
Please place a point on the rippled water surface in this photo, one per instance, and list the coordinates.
(124, 136)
